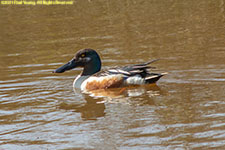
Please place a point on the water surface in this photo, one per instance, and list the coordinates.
(185, 110)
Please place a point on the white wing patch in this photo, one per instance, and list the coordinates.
(135, 80)
(119, 71)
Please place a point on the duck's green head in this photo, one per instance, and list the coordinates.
(86, 58)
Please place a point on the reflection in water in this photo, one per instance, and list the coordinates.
(89, 111)
(125, 93)
(94, 108)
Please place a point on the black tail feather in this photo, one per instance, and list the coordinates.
(154, 77)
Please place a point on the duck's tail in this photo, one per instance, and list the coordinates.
(154, 77)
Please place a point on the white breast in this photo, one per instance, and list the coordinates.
(79, 80)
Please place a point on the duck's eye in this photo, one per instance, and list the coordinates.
(82, 55)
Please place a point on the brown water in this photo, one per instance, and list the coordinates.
(185, 110)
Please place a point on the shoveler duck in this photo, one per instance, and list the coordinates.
(92, 78)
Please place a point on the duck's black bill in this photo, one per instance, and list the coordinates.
(70, 65)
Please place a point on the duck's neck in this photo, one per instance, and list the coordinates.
(92, 67)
